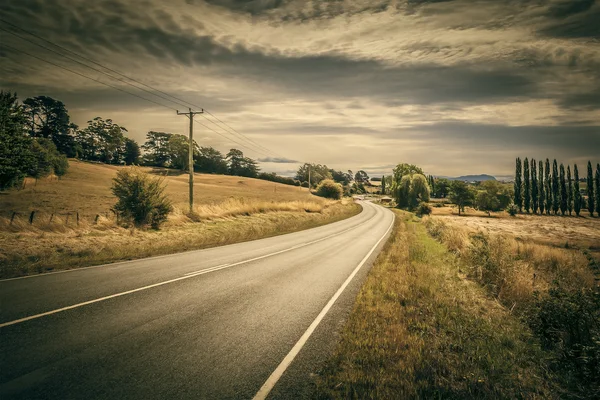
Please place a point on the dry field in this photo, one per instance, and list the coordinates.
(581, 232)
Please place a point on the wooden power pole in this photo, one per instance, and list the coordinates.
(190, 115)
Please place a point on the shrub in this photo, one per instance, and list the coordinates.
(329, 189)
(304, 184)
(423, 209)
(141, 198)
(512, 209)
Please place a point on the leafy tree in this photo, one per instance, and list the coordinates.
(341, 177)
(413, 189)
(569, 191)
(555, 188)
(48, 118)
(548, 187)
(318, 172)
(240, 165)
(16, 156)
(462, 195)
(526, 186)
(518, 185)
(330, 189)
(178, 151)
(442, 187)
(132, 152)
(102, 140)
(534, 187)
(362, 177)
(597, 192)
(590, 189)
(156, 149)
(492, 196)
(563, 191)
(402, 192)
(141, 198)
(577, 206)
(401, 170)
(210, 161)
(541, 188)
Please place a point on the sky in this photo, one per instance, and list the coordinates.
(455, 86)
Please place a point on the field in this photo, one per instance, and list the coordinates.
(73, 226)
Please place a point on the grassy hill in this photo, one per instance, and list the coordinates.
(86, 189)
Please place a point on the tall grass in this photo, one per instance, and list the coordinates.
(553, 290)
(420, 330)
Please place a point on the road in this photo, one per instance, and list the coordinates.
(250, 320)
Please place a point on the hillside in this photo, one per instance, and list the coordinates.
(86, 189)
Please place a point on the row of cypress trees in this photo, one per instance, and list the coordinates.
(539, 189)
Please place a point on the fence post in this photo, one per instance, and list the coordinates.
(51, 216)
(31, 217)
(12, 217)
(77, 218)
(96, 219)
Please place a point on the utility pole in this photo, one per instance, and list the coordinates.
(190, 115)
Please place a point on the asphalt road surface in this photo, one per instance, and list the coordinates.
(250, 320)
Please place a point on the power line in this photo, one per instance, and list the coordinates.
(179, 100)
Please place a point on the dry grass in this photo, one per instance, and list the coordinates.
(419, 329)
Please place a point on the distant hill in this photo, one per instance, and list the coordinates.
(473, 178)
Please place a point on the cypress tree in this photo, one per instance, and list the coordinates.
(383, 184)
(590, 189)
(534, 187)
(576, 192)
(518, 185)
(563, 191)
(432, 184)
(569, 191)
(555, 189)
(541, 194)
(526, 186)
(548, 187)
(597, 179)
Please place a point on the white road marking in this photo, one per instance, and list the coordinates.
(281, 368)
(186, 276)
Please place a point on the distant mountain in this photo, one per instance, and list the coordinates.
(473, 178)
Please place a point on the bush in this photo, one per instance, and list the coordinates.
(512, 209)
(141, 198)
(329, 189)
(304, 184)
(423, 209)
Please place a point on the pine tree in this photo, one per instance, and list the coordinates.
(432, 185)
(534, 187)
(518, 185)
(555, 189)
(590, 189)
(569, 191)
(548, 187)
(597, 179)
(541, 190)
(576, 192)
(526, 186)
(563, 191)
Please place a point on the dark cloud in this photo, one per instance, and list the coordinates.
(574, 22)
(566, 8)
(278, 160)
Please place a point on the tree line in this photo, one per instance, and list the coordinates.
(539, 188)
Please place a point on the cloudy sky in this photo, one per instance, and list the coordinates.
(456, 87)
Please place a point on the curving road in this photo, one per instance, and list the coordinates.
(250, 320)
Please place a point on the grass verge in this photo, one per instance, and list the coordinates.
(38, 250)
(420, 329)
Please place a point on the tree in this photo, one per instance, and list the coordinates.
(48, 118)
(141, 198)
(413, 189)
(318, 172)
(569, 191)
(597, 180)
(534, 187)
(362, 177)
(241, 166)
(555, 188)
(340, 177)
(401, 170)
(563, 191)
(577, 206)
(590, 189)
(16, 156)
(442, 187)
(492, 196)
(518, 185)
(541, 187)
(132, 152)
(210, 161)
(461, 194)
(178, 151)
(383, 184)
(548, 187)
(156, 149)
(526, 186)
(102, 140)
